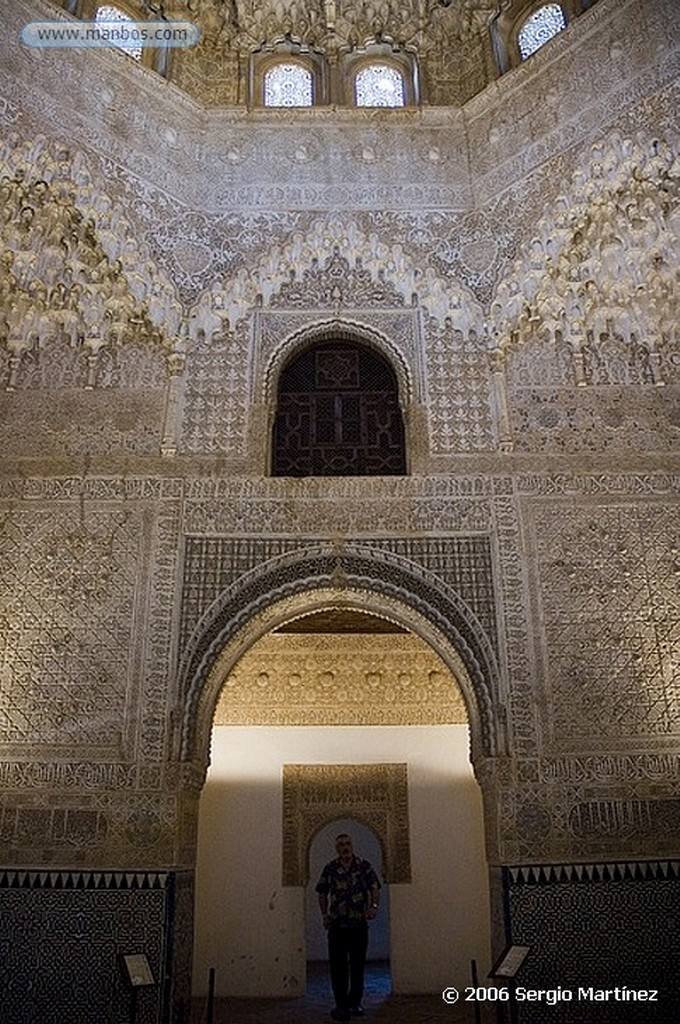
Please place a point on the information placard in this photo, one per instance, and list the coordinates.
(138, 970)
(510, 962)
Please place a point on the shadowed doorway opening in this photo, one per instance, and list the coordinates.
(322, 849)
(354, 702)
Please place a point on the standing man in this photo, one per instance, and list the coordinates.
(349, 894)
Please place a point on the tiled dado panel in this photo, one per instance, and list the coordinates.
(62, 935)
(610, 928)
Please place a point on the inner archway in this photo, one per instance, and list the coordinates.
(279, 709)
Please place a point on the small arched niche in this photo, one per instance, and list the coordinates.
(368, 846)
(338, 413)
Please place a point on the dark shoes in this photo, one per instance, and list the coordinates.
(354, 1011)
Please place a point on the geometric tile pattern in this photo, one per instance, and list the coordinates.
(603, 871)
(611, 606)
(569, 914)
(61, 938)
(104, 881)
(212, 564)
(67, 591)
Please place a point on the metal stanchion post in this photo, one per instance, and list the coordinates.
(475, 984)
(211, 995)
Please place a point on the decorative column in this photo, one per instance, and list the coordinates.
(500, 394)
(575, 339)
(173, 397)
(14, 361)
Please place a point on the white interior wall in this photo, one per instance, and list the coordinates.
(252, 929)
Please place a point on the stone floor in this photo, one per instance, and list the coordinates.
(380, 1004)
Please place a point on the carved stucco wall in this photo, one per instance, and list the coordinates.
(84, 672)
(513, 257)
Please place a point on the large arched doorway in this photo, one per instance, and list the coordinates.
(347, 575)
(276, 778)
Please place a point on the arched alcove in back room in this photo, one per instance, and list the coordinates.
(338, 714)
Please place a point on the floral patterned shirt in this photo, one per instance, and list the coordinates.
(348, 890)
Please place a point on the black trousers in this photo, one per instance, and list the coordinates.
(347, 955)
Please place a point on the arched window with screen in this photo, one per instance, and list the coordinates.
(116, 18)
(287, 84)
(338, 414)
(539, 27)
(379, 85)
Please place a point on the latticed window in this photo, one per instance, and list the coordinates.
(338, 415)
(379, 85)
(118, 19)
(539, 27)
(288, 85)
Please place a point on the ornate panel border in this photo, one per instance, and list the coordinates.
(374, 794)
(351, 573)
(212, 564)
(434, 507)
